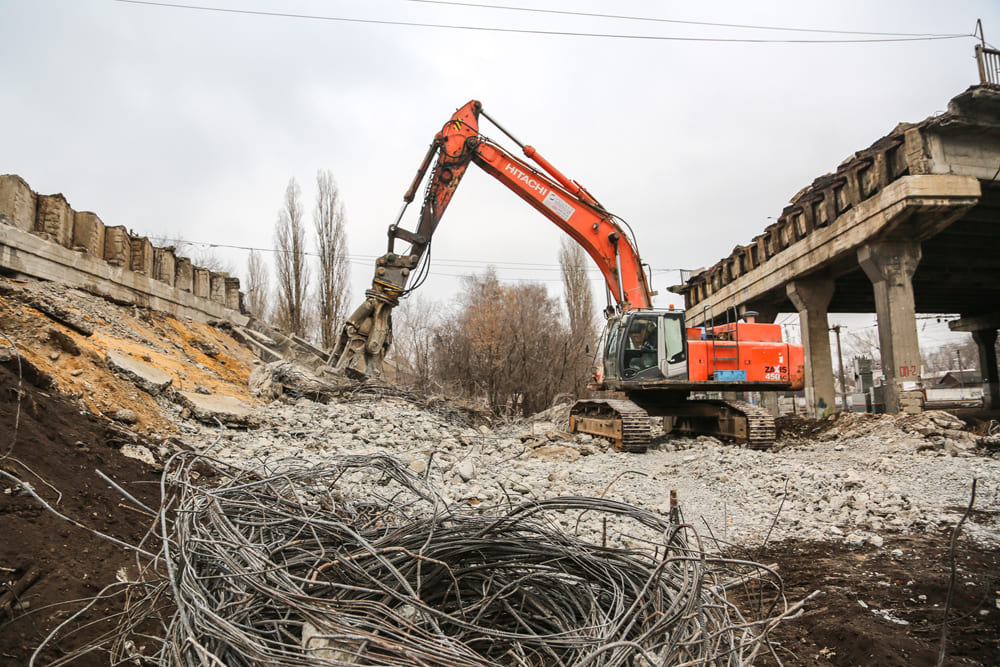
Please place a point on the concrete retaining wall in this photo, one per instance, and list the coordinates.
(43, 237)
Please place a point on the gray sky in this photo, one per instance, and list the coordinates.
(189, 123)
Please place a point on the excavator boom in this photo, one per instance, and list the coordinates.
(651, 363)
(366, 334)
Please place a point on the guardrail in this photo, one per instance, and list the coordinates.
(989, 65)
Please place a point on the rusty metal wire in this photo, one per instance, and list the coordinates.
(282, 565)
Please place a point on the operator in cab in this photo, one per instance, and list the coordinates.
(639, 338)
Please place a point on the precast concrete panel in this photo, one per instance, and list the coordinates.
(88, 233)
(18, 203)
(54, 219)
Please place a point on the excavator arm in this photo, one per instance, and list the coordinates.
(367, 333)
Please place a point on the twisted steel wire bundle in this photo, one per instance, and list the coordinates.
(282, 566)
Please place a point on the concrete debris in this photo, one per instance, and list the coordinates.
(145, 376)
(286, 378)
(53, 304)
(865, 477)
(228, 410)
(139, 452)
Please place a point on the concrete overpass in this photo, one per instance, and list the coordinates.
(909, 225)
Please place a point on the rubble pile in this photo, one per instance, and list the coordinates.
(864, 477)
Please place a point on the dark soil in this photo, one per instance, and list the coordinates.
(50, 443)
(903, 596)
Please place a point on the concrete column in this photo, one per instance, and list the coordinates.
(986, 339)
(88, 233)
(117, 246)
(184, 274)
(164, 265)
(54, 219)
(232, 291)
(812, 298)
(141, 260)
(217, 288)
(18, 203)
(890, 266)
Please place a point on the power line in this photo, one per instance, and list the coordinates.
(447, 262)
(681, 22)
(549, 33)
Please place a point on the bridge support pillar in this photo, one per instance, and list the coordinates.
(986, 340)
(811, 297)
(890, 266)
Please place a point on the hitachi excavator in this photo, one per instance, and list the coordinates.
(651, 363)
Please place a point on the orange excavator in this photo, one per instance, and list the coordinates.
(651, 363)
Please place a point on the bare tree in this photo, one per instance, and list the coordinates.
(506, 344)
(960, 355)
(413, 339)
(292, 270)
(331, 240)
(257, 286)
(201, 254)
(573, 262)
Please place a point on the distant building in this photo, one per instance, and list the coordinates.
(958, 379)
(955, 388)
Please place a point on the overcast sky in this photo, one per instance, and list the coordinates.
(185, 122)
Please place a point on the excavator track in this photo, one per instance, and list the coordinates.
(619, 420)
(761, 431)
(733, 420)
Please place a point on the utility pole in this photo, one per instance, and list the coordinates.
(961, 379)
(840, 358)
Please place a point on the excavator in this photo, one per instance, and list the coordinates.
(651, 364)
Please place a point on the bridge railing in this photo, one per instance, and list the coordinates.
(989, 65)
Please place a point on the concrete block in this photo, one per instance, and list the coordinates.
(227, 409)
(217, 288)
(202, 282)
(17, 203)
(141, 260)
(148, 378)
(88, 233)
(54, 219)
(164, 265)
(232, 287)
(117, 246)
(184, 274)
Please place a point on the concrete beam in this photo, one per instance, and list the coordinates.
(940, 199)
(890, 266)
(812, 298)
(976, 323)
(986, 340)
(31, 255)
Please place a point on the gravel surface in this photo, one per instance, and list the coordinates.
(862, 478)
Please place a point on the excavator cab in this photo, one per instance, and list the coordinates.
(646, 345)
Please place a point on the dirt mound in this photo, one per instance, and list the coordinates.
(50, 445)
